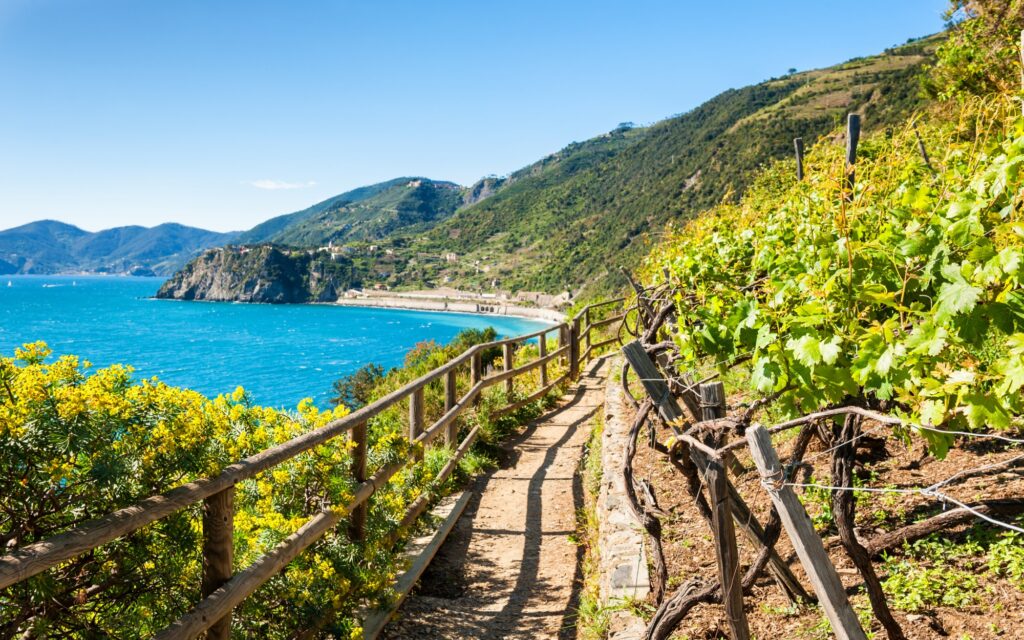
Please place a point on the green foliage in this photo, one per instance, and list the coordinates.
(355, 389)
(77, 443)
(1006, 556)
(470, 337)
(406, 207)
(593, 620)
(820, 502)
(929, 576)
(981, 55)
(361, 204)
(908, 294)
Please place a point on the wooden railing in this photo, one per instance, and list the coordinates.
(222, 589)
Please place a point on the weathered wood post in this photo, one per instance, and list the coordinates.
(852, 138)
(921, 148)
(452, 434)
(508, 361)
(712, 402)
(574, 349)
(563, 340)
(218, 551)
(542, 351)
(657, 388)
(416, 418)
(824, 579)
(588, 330)
(476, 373)
(357, 519)
(798, 146)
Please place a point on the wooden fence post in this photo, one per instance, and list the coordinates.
(416, 418)
(852, 138)
(798, 146)
(357, 519)
(542, 351)
(712, 402)
(476, 373)
(563, 340)
(826, 583)
(218, 551)
(450, 380)
(657, 388)
(508, 360)
(588, 330)
(574, 349)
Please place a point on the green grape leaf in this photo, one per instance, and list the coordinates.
(984, 410)
(806, 349)
(955, 296)
(830, 350)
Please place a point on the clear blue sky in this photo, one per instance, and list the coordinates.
(202, 112)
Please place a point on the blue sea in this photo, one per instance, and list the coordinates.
(279, 353)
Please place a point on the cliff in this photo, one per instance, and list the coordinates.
(262, 274)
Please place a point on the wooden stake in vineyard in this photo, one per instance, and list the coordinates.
(712, 401)
(852, 138)
(806, 542)
(798, 147)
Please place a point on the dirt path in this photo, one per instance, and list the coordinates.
(509, 568)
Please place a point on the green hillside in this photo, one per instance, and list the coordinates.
(575, 216)
(367, 213)
(570, 220)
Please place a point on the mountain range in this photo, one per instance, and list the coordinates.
(567, 221)
(48, 246)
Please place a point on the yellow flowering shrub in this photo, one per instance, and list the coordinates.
(77, 443)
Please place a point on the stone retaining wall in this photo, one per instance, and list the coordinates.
(623, 560)
(454, 306)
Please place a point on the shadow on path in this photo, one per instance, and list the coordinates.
(474, 588)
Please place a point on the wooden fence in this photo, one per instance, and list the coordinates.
(222, 589)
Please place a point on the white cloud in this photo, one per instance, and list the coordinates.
(275, 185)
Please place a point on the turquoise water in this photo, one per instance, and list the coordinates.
(280, 354)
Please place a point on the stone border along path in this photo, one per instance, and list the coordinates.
(623, 561)
(510, 568)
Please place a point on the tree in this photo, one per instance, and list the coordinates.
(356, 389)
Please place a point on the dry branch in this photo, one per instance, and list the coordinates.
(843, 509)
(645, 515)
(941, 522)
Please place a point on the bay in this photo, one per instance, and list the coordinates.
(279, 353)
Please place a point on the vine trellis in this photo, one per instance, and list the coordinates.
(700, 441)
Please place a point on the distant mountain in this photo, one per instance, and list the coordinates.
(48, 246)
(368, 213)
